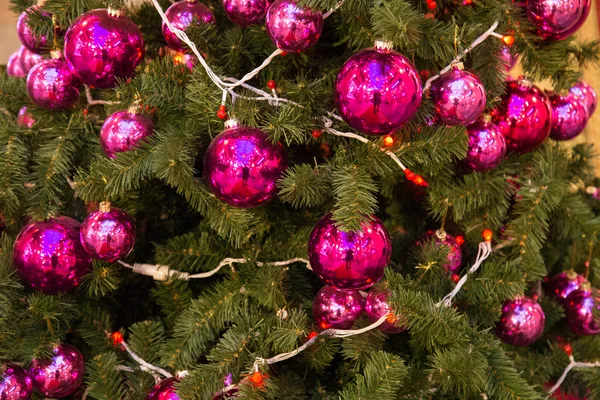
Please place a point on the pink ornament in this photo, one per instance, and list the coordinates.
(60, 375)
(524, 116)
(586, 94)
(26, 36)
(165, 390)
(555, 19)
(377, 90)
(522, 322)
(333, 308)
(245, 12)
(49, 257)
(108, 234)
(569, 117)
(15, 383)
(349, 260)
(123, 130)
(51, 84)
(242, 165)
(487, 146)
(103, 46)
(24, 118)
(580, 305)
(225, 393)
(458, 96)
(561, 285)
(509, 57)
(181, 15)
(587, 6)
(376, 306)
(442, 238)
(28, 58)
(14, 67)
(293, 28)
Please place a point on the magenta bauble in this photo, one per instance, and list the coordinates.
(580, 305)
(14, 67)
(336, 309)
(487, 146)
(242, 165)
(181, 15)
(33, 42)
(349, 260)
(123, 130)
(586, 94)
(454, 257)
(103, 46)
(522, 322)
(245, 12)
(108, 234)
(569, 116)
(28, 58)
(458, 96)
(377, 90)
(293, 28)
(15, 383)
(165, 390)
(59, 375)
(508, 57)
(53, 85)
(376, 306)
(24, 118)
(49, 256)
(556, 19)
(561, 285)
(524, 116)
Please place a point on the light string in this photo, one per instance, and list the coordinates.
(92, 102)
(572, 364)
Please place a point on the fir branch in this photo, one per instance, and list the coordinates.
(354, 191)
(305, 186)
(103, 378)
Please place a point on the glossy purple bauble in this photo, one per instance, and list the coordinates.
(524, 116)
(586, 94)
(580, 305)
(555, 19)
(28, 58)
(245, 12)
(165, 390)
(26, 36)
(377, 90)
(242, 165)
(181, 15)
(14, 67)
(49, 256)
(103, 47)
(108, 234)
(349, 260)
(569, 117)
(522, 322)
(458, 96)
(561, 285)
(487, 146)
(24, 118)
(587, 6)
(60, 375)
(509, 57)
(123, 130)
(53, 85)
(15, 383)
(454, 258)
(336, 309)
(376, 306)
(293, 28)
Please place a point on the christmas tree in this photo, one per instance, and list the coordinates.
(311, 199)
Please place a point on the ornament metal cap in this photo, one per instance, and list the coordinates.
(135, 108)
(524, 82)
(458, 65)
(487, 118)
(56, 54)
(104, 206)
(585, 286)
(441, 234)
(384, 45)
(231, 123)
(571, 274)
(114, 12)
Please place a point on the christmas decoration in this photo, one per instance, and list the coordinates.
(443, 238)
(103, 45)
(458, 96)
(334, 308)
(108, 234)
(580, 304)
(26, 35)
(224, 393)
(377, 90)
(14, 67)
(587, 5)
(524, 116)
(293, 28)
(51, 84)
(349, 260)
(49, 257)
(24, 118)
(555, 20)
(586, 94)
(245, 12)
(561, 285)
(60, 375)
(241, 166)
(181, 15)
(487, 146)
(569, 116)
(377, 306)
(28, 58)
(165, 390)
(15, 383)
(123, 130)
(521, 323)
(508, 57)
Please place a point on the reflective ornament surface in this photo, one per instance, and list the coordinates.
(49, 256)
(522, 322)
(103, 47)
(454, 258)
(14, 67)
(181, 15)
(349, 260)
(15, 383)
(508, 57)
(561, 285)
(60, 375)
(26, 35)
(569, 117)
(293, 28)
(123, 130)
(52, 85)
(245, 12)
(580, 305)
(557, 19)
(108, 234)
(24, 118)
(377, 306)
(377, 90)
(165, 390)
(487, 146)
(28, 58)
(586, 94)
(336, 309)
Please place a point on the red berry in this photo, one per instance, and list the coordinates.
(272, 84)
